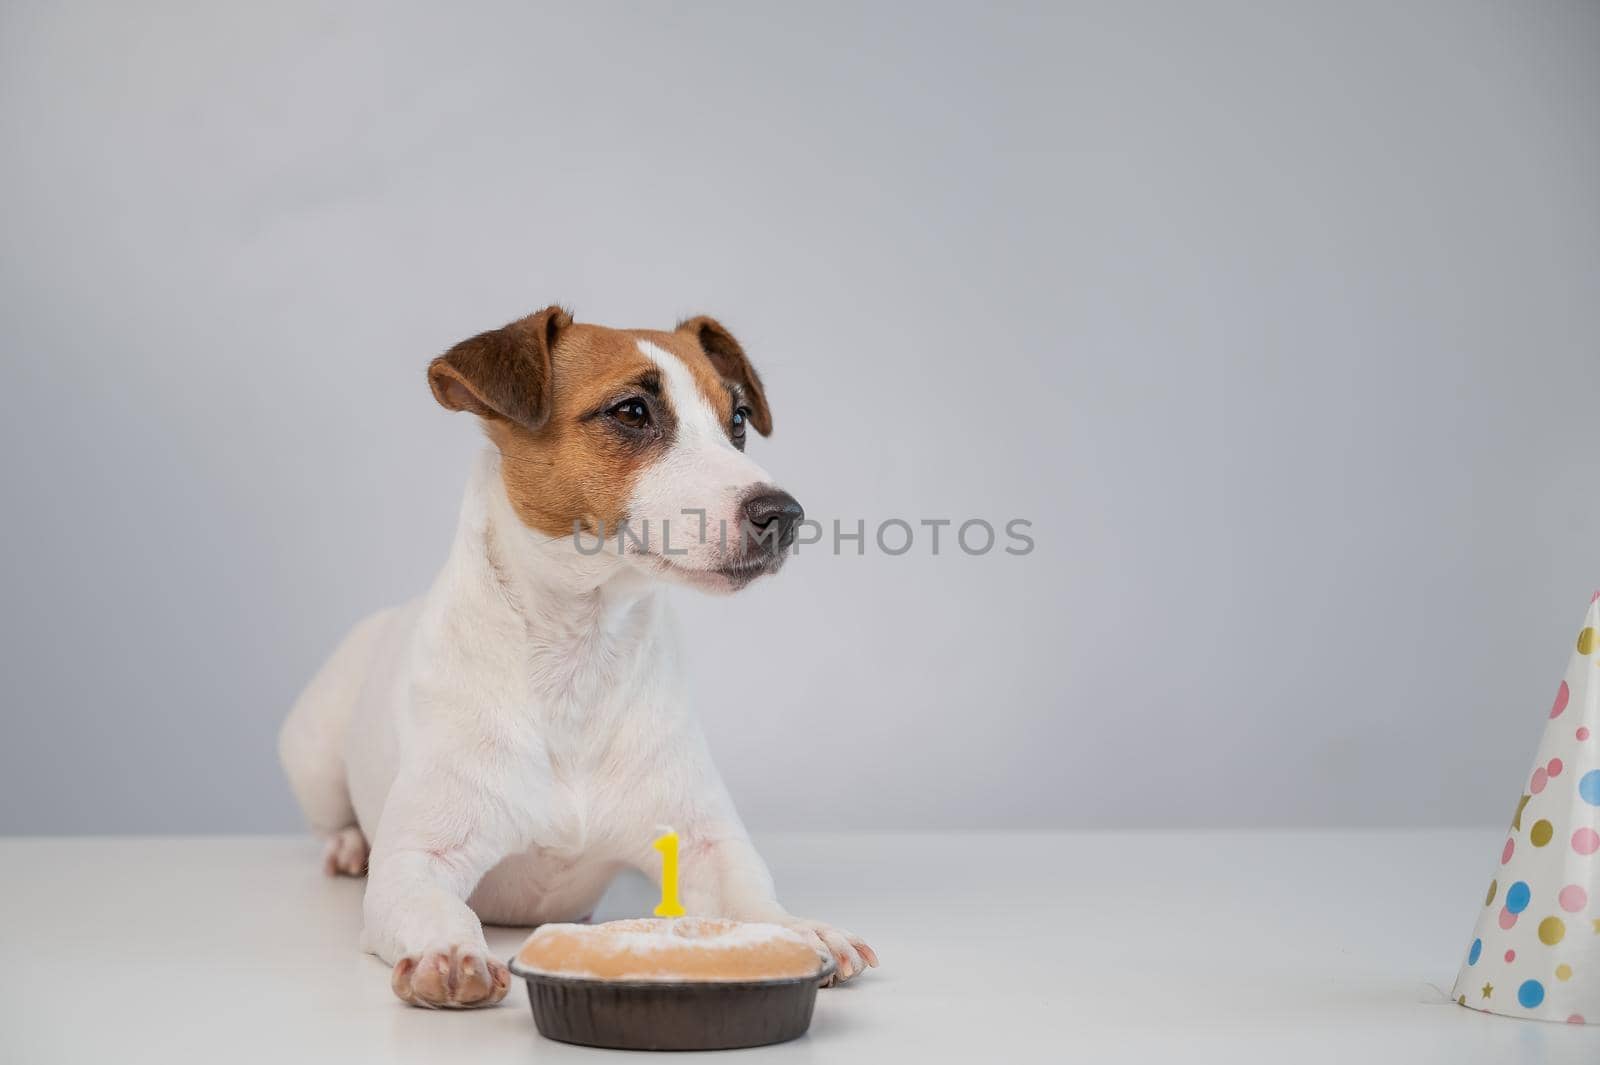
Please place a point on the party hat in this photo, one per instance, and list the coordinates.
(1536, 950)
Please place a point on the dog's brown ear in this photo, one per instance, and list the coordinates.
(504, 373)
(730, 361)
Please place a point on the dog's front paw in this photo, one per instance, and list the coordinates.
(450, 978)
(850, 951)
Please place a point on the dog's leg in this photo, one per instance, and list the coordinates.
(311, 748)
(345, 853)
(425, 862)
(722, 875)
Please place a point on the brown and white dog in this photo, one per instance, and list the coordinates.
(514, 738)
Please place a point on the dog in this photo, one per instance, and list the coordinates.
(516, 737)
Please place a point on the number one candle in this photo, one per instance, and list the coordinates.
(668, 846)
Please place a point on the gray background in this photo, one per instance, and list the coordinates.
(1278, 321)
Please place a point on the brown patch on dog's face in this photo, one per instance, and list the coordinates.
(578, 469)
(719, 393)
(727, 362)
(568, 460)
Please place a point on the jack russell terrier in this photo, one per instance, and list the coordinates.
(513, 739)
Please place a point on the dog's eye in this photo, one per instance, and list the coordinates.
(631, 412)
(740, 417)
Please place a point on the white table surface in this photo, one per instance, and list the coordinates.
(1231, 947)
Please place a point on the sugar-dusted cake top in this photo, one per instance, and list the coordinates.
(687, 949)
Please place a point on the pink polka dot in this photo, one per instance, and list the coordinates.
(1563, 693)
(1540, 779)
(1555, 767)
(1507, 918)
(1583, 732)
(1573, 898)
(1511, 845)
(1511, 956)
(1585, 841)
(1576, 1018)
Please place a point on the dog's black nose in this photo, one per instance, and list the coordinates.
(773, 517)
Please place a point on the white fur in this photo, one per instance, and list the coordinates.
(513, 739)
(689, 501)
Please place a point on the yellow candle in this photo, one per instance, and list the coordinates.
(668, 846)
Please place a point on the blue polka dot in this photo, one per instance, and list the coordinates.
(1517, 896)
(1530, 994)
(1477, 949)
(1589, 787)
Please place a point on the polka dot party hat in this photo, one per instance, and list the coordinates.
(1536, 950)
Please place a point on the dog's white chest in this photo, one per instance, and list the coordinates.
(538, 886)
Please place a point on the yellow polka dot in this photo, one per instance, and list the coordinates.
(1540, 833)
(1551, 931)
(1494, 885)
(1563, 972)
(1586, 641)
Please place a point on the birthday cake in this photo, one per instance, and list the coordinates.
(685, 983)
(679, 949)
